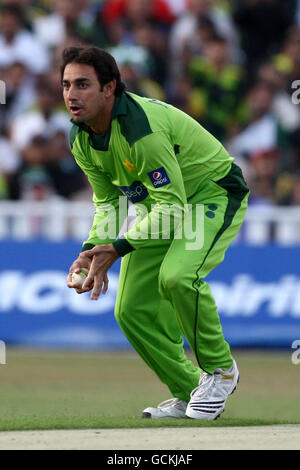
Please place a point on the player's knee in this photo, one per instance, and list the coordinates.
(128, 310)
(168, 280)
(122, 312)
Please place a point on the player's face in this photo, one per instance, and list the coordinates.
(82, 93)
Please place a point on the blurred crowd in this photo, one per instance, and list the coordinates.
(234, 65)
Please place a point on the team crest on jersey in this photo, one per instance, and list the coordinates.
(159, 177)
(130, 166)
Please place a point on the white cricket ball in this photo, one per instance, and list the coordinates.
(80, 277)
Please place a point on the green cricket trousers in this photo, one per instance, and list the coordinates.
(162, 294)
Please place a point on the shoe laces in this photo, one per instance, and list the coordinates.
(169, 402)
(205, 383)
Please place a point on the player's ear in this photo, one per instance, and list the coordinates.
(109, 88)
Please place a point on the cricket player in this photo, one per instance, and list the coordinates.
(167, 165)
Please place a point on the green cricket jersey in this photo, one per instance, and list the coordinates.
(154, 154)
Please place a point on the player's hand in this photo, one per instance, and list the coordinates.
(78, 264)
(103, 258)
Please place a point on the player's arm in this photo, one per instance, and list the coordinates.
(159, 171)
(106, 200)
(106, 223)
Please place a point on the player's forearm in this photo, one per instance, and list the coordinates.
(106, 225)
(160, 224)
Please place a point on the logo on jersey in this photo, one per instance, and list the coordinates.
(159, 177)
(136, 192)
(130, 166)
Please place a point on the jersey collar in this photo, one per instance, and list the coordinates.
(99, 142)
(120, 106)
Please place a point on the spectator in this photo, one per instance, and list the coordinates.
(69, 18)
(205, 31)
(261, 133)
(153, 40)
(20, 94)
(45, 121)
(185, 31)
(138, 82)
(180, 92)
(217, 88)
(66, 176)
(141, 61)
(137, 12)
(9, 164)
(261, 144)
(286, 112)
(136, 57)
(262, 25)
(141, 23)
(32, 180)
(288, 60)
(19, 45)
(262, 184)
(10, 159)
(33, 183)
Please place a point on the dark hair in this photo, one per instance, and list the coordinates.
(15, 10)
(204, 21)
(104, 64)
(217, 39)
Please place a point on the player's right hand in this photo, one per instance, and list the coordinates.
(78, 264)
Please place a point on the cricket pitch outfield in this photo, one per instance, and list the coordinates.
(93, 400)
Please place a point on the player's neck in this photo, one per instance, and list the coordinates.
(101, 123)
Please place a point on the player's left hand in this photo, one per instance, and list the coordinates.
(103, 258)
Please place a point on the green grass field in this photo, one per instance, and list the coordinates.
(77, 390)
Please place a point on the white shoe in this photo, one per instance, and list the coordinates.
(208, 399)
(172, 408)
